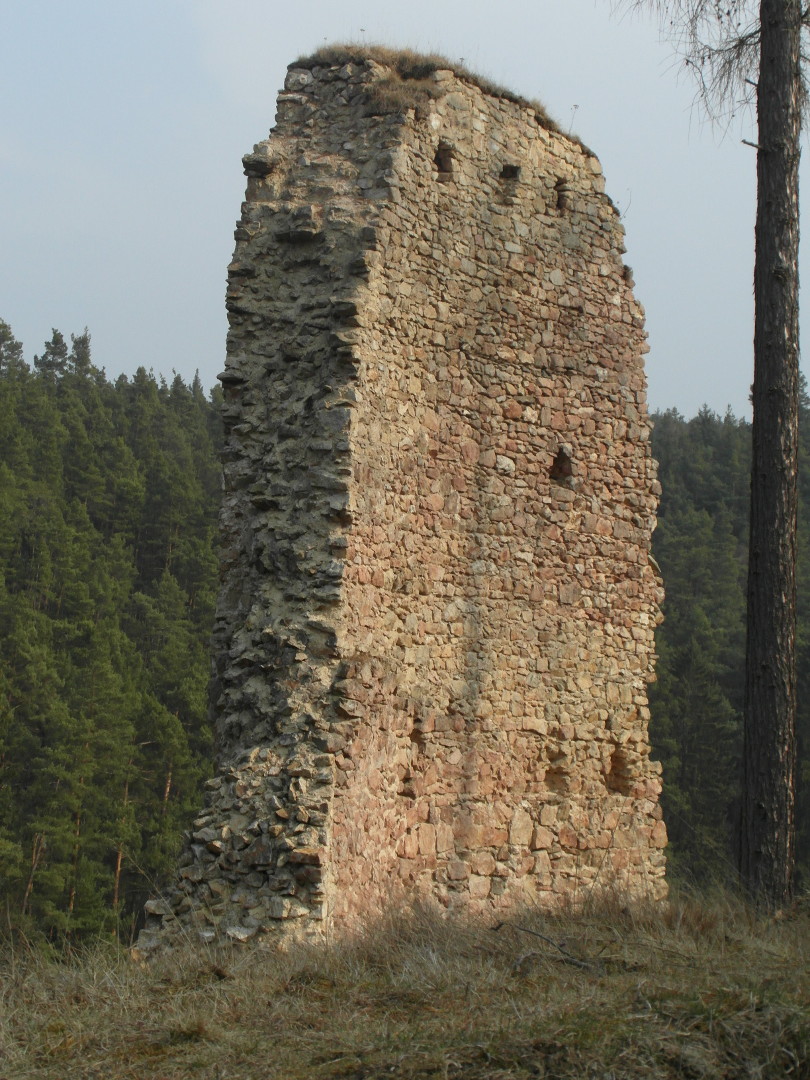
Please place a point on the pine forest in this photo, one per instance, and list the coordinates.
(110, 494)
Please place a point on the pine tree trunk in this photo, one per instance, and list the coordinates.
(167, 790)
(37, 851)
(119, 852)
(74, 861)
(767, 827)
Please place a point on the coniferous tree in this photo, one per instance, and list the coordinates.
(696, 704)
(107, 577)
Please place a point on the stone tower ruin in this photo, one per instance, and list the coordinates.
(435, 627)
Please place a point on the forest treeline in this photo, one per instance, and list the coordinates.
(109, 494)
(701, 545)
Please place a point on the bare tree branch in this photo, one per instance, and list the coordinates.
(718, 43)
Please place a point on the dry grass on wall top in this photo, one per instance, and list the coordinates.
(699, 988)
(411, 81)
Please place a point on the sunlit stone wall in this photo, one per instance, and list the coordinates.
(435, 629)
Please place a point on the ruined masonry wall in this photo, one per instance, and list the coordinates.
(436, 623)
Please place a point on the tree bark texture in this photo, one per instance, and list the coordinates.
(767, 826)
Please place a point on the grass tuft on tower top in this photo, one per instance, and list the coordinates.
(411, 80)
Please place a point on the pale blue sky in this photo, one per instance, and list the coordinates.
(122, 128)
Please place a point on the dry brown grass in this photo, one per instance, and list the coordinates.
(703, 989)
(410, 83)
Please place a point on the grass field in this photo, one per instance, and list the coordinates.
(700, 988)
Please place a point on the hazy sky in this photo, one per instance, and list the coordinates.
(123, 126)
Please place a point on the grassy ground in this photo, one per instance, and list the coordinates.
(702, 989)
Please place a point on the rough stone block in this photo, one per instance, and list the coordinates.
(520, 831)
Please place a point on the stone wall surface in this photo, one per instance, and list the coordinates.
(436, 621)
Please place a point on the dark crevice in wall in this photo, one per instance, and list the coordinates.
(562, 468)
(444, 162)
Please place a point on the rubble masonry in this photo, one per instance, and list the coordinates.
(435, 628)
